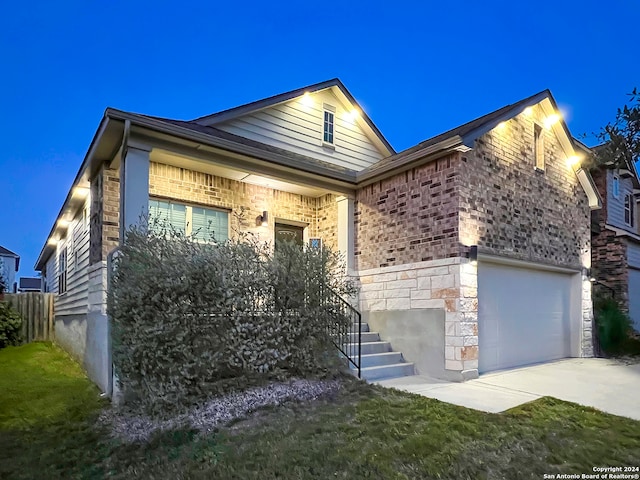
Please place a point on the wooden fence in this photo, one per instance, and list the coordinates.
(36, 310)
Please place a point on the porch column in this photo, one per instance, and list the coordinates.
(134, 187)
(346, 230)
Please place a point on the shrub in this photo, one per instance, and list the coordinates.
(10, 326)
(192, 319)
(613, 325)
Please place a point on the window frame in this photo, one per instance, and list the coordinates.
(63, 261)
(328, 110)
(538, 147)
(188, 227)
(629, 210)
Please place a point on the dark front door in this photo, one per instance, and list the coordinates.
(288, 233)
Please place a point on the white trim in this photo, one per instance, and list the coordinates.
(616, 181)
(620, 232)
(482, 257)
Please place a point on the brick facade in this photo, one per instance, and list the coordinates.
(413, 230)
(320, 214)
(510, 209)
(410, 217)
(105, 215)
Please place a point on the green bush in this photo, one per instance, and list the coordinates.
(10, 326)
(191, 319)
(613, 325)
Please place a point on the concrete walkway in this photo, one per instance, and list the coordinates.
(608, 385)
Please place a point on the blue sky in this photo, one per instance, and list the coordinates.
(418, 68)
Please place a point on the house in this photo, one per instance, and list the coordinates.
(471, 249)
(616, 237)
(29, 284)
(9, 265)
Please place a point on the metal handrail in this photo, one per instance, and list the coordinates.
(346, 324)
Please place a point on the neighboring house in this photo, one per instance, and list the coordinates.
(616, 237)
(471, 248)
(9, 265)
(29, 284)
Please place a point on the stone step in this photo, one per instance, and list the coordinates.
(381, 359)
(369, 347)
(387, 371)
(365, 337)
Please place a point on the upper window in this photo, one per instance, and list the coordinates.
(616, 186)
(328, 124)
(538, 146)
(629, 212)
(198, 222)
(62, 271)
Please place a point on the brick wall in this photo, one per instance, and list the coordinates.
(608, 252)
(509, 209)
(105, 215)
(189, 186)
(411, 217)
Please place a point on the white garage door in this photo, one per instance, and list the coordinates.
(634, 298)
(523, 316)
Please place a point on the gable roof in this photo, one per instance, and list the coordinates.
(7, 253)
(462, 136)
(241, 110)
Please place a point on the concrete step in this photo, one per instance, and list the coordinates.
(365, 337)
(387, 371)
(365, 327)
(370, 347)
(381, 359)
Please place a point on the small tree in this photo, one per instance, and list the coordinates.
(621, 138)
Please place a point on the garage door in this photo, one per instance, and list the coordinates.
(634, 298)
(523, 316)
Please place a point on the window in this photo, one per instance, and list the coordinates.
(62, 271)
(329, 116)
(629, 212)
(616, 186)
(199, 222)
(538, 146)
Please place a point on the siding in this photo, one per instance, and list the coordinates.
(298, 127)
(633, 254)
(615, 206)
(75, 300)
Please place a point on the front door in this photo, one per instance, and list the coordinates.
(288, 233)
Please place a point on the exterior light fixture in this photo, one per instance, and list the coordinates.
(528, 111)
(573, 160)
(263, 220)
(81, 191)
(501, 125)
(551, 120)
(52, 241)
(473, 255)
(306, 99)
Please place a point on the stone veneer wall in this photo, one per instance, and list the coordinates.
(410, 217)
(449, 284)
(189, 186)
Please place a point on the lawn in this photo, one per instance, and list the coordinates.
(47, 430)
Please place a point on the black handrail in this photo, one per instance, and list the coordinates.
(344, 326)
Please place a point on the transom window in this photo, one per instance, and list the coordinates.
(198, 222)
(329, 117)
(629, 212)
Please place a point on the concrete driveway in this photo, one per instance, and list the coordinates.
(608, 385)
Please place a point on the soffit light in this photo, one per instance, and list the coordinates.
(551, 120)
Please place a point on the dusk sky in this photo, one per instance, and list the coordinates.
(417, 68)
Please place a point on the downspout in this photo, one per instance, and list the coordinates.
(113, 389)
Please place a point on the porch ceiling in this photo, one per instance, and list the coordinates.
(239, 174)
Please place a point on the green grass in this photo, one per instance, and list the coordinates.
(367, 432)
